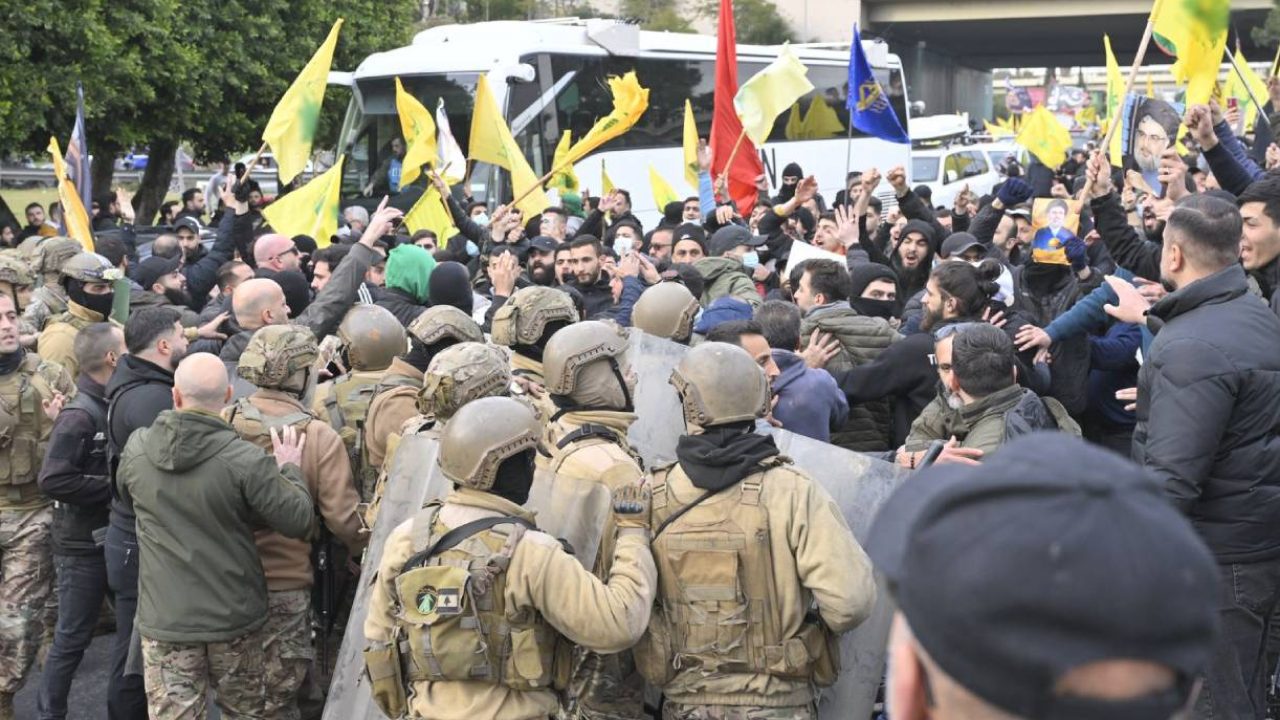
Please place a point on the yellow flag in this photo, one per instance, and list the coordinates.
(491, 142)
(431, 213)
(629, 103)
(1151, 85)
(795, 123)
(606, 183)
(820, 121)
(690, 145)
(1115, 102)
(997, 131)
(292, 126)
(1240, 90)
(762, 99)
(419, 135)
(663, 193)
(564, 179)
(1196, 34)
(74, 216)
(310, 210)
(1043, 136)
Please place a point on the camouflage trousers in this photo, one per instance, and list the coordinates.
(679, 711)
(26, 583)
(178, 677)
(604, 687)
(287, 651)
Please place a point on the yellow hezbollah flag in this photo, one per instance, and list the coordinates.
(431, 213)
(762, 99)
(629, 103)
(997, 131)
(1195, 32)
(419, 135)
(311, 210)
(1043, 136)
(663, 193)
(1115, 102)
(1240, 90)
(74, 216)
(491, 142)
(606, 182)
(564, 179)
(795, 124)
(292, 126)
(820, 121)
(690, 145)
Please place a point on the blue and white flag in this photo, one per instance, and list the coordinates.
(869, 108)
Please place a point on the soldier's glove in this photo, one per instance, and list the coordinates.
(631, 506)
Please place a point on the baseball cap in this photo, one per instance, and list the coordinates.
(1019, 211)
(959, 243)
(1050, 555)
(689, 231)
(187, 222)
(155, 267)
(730, 237)
(542, 243)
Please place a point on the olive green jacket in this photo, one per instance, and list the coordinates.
(726, 277)
(1008, 413)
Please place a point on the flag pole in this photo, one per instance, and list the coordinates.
(848, 157)
(1275, 64)
(1261, 115)
(1129, 82)
(734, 153)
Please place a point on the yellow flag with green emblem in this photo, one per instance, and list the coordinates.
(663, 193)
(1043, 136)
(1240, 89)
(312, 209)
(431, 213)
(491, 142)
(690, 145)
(292, 126)
(769, 92)
(629, 103)
(419, 135)
(564, 179)
(1195, 32)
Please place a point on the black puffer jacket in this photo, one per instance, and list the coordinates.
(1209, 413)
(137, 392)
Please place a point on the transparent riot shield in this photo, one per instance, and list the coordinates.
(659, 420)
(571, 509)
(859, 485)
(240, 388)
(413, 480)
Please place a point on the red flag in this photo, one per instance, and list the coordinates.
(726, 128)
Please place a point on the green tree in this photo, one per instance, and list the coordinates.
(757, 22)
(655, 15)
(1269, 32)
(157, 73)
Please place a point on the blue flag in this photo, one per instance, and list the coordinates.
(869, 108)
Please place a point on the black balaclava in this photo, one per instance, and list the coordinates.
(100, 304)
(534, 351)
(450, 284)
(420, 355)
(786, 192)
(515, 477)
(863, 275)
(723, 454)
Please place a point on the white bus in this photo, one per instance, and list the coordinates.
(551, 76)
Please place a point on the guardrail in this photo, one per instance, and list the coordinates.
(30, 177)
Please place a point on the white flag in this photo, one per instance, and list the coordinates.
(453, 162)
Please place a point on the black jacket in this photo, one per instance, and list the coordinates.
(137, 393)
(1130, 250)
(202, 275)
(1209, 412)
(74, 472)
(597, 299)
(401, 304)
(1041, 305)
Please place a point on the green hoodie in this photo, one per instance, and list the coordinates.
(726, 276)
(199, 492)
(408, 268)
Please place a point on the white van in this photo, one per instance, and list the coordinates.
(947, 170)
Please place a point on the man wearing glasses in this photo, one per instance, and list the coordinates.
(277, 253)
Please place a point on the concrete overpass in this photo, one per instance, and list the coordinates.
(950, 46)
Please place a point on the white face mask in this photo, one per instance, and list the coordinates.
(751, 260)
(482, 219)
(472, 249)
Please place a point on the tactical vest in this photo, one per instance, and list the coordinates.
(365, 474)
(452, 618)
(718, 609)
(346, 406)
(253, 425)
(23, 424)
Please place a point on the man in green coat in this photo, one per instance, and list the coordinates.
(731, 256)
(199, 492)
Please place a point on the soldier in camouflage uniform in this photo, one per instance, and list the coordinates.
(32, 392)
(87, 278)
(590, 381)
(279, 362)
(51, 297)
(17, 281)
(524, 323)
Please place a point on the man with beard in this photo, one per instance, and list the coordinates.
(589, 277)
(188, 231)
(806, 401)
(1154, 133)
(192, 205)
(139, 390)
(541, 266)
(163, 284)
(87, 279)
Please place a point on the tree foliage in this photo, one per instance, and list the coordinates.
(1269, 32)
(757, 22)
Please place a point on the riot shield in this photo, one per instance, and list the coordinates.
(859, 485)
(413, 480)
(659, 420)
(240, 388)
(571, 509)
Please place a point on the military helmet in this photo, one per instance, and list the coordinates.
(482, 435)
(442, 322)
(89, 267)
(576, 346)
(372, 336)
(666, 310)
(52, 254)
(14, 271)
(275, 353)
(460, 374)
(525, 315)
(720, 383)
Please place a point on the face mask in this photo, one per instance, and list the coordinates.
(874, 308)
(482, 219)
(472, 249)
(751, 260)
(622, 246)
